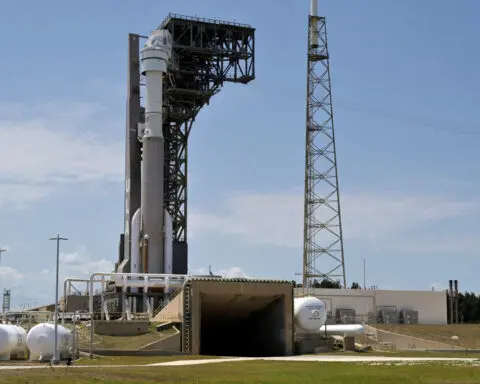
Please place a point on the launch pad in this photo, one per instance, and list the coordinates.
(172, 75)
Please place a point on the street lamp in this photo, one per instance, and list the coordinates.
(1, 251)
(55, 359)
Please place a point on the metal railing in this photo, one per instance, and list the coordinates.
(201, 20)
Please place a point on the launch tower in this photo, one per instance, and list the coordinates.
(203, 55)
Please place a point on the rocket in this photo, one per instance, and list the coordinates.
(151, 244)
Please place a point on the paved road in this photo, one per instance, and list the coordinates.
(318, 358)
(311, 358)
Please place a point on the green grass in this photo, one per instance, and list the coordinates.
(468, 334)
(120, 342)
(137, 360)
(252, 372)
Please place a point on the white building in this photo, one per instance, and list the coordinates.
(430, 306)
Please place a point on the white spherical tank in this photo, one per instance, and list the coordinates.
(12, 341)
(41, 341)
(310, 313)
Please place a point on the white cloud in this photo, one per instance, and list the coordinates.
(264, 218)
(10, 276)
(77, 264)
(227, 272)
(49, 144)
(80, 264)
(384, 220)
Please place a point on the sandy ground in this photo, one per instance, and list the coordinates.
(308, 358)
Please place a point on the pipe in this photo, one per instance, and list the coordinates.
(154, 58)
(313, 7)
(145, 254)
(125, 282)
(168, 267)
(313, 24)
(344, 330)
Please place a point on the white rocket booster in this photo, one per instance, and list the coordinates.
(154, 58)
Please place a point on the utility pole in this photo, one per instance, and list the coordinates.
(1, 251)
(55, 359)
(455, 285)
(364, 275)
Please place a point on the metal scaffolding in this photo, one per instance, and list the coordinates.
(205, 54)
(323, 256)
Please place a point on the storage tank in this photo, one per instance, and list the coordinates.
(41, 341)
(310, 313)
(12, 342)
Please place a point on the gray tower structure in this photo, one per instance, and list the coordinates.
(205, 54)
(323, 242)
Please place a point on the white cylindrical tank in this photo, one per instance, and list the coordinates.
(12, 341)
(343, 329)
(310, 313)
(41, 341)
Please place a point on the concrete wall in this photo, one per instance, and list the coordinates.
(76, 303)
(120, 328)
(172, 312)
(431, 305)
(171, 343)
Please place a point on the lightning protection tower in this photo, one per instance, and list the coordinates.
(323, 244)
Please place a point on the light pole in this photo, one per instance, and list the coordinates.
(1, 251)
(364, 275)
(56, 359)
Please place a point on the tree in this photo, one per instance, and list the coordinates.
(325, 283)
(355, 285)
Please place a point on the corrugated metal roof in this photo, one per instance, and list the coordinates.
(238, 280)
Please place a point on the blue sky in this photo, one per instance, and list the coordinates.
(405, 91)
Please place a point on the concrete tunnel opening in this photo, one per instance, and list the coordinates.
(239, 317)
(246, 326)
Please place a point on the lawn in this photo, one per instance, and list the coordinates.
(252, 372)
(119, 342)
(468, 334)
(137, 360)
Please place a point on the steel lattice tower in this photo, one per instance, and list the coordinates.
(323, 256)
